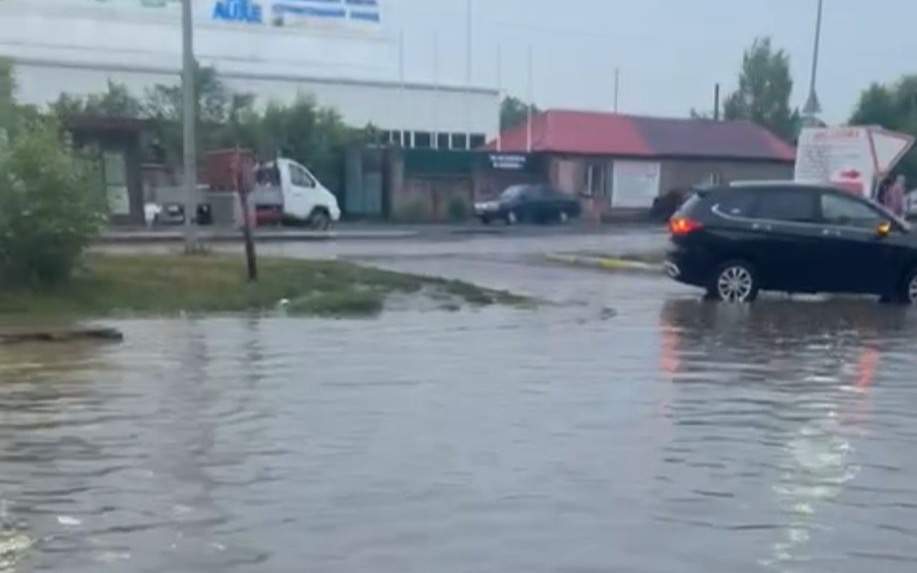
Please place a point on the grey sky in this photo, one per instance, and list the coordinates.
(671, 52)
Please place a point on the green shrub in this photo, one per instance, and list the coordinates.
(51, 206)
(457, 210)
(413, 212)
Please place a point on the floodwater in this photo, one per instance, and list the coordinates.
(629, 428)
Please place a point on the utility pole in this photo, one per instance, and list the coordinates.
(813, 107)
(468, 69)
(500, 97)
(436, 91)
(617, 87)
(716, 102)
(531, 98)
(188, 119)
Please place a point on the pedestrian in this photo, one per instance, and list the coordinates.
(882, 191)
(895, 196)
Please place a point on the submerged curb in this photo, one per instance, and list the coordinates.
(140, 237)
(61, 335)
(605, 263)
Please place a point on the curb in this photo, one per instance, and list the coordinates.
(232, 237)
(605, 263)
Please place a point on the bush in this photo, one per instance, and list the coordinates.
(413, 212)
(51, 206)
(457, 210)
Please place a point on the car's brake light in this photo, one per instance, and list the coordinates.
(681, 226)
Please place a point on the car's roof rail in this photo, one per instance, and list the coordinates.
(780, 183)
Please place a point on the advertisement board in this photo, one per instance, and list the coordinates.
(853, 158)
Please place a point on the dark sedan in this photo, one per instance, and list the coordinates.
(739, 240)
(529, 203)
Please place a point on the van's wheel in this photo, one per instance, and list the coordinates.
(320, 221)
(736, 282)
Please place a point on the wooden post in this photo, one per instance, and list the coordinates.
(243, 179)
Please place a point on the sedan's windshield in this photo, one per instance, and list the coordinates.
(513, 193)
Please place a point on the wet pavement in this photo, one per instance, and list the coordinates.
(625, 426)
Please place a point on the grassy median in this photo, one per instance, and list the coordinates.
(154, 285)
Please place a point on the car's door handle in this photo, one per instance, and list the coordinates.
(830, 233)
(762, 227)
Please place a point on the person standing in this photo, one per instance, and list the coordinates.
(895, 196)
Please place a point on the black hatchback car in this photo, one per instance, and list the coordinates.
(736, 241)
(529, 203)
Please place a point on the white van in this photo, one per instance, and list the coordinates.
(286, 191)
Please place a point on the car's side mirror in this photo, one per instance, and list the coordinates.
(884, 229)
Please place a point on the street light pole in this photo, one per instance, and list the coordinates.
(188, 121)
(813, 106)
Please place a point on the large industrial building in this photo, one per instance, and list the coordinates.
(338, 51)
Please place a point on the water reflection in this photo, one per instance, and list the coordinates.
(785, 391)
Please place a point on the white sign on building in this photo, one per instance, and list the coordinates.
(636, 184)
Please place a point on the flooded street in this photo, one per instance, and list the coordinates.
(625, 426)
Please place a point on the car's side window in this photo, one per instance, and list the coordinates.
(847, 212)
(790, 205)
(736, 203)
(300, 178)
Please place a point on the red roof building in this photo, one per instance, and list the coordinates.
(591, 133)
(623, 161)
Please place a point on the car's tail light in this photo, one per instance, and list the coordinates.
(681, 226)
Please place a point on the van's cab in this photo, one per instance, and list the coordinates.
(287, 190)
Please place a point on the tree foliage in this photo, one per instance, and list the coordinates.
(513, 112)
(303, 130)
(51, 205)
(765, 88)
(7, 92)
(892, 106)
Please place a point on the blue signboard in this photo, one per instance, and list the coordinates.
(246, 11)
(287, 12)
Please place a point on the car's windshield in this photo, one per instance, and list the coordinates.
(514, 193)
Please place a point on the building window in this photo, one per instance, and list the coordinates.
(442, 141)
(407, 139)
(423, 140)
(713, 179)
(595, 180)
(396, 138)
(459, 141)
(478, 140)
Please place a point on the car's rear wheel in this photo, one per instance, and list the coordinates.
(908, 290)
(735, 282)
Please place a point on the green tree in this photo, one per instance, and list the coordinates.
(310, 134)
(765, 88)
(513, 112)
(894, 107)
(116, 101)
(221, 114)
(51, 205)
(8, 106)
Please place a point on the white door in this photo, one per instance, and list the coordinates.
(302, 188)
